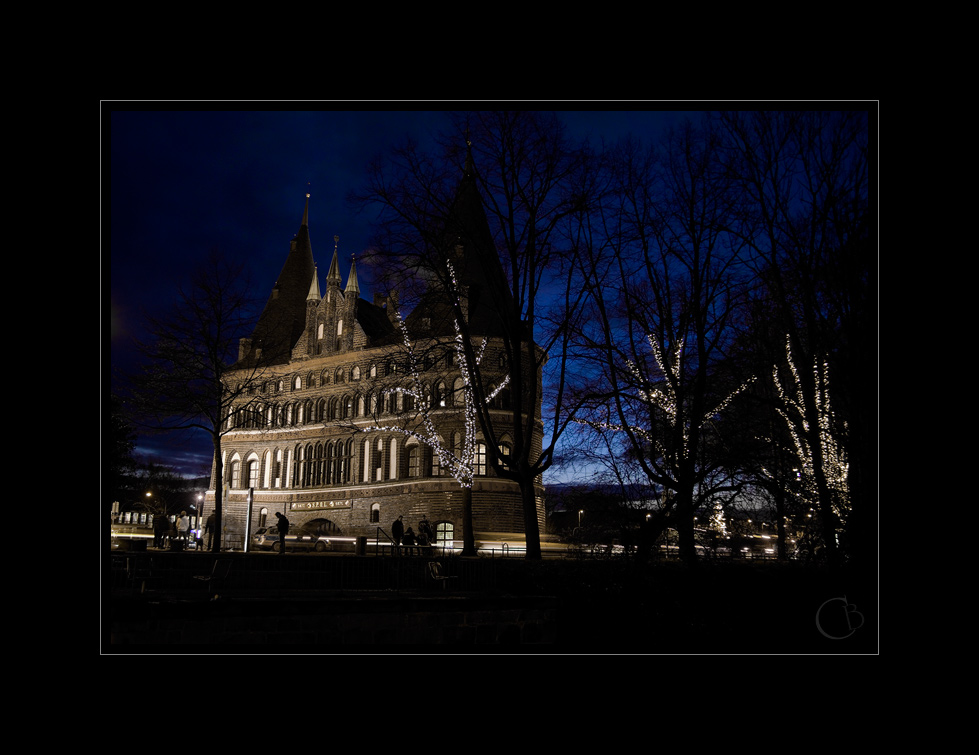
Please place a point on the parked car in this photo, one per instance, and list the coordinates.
(267, 538)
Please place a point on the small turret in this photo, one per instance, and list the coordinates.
(353, 287)
(333, 279)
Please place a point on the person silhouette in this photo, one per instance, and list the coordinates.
(397, 532)
(409, 541)
(283, 531)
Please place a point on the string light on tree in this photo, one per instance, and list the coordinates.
(835, 466)
(461, 465)
(662, 396)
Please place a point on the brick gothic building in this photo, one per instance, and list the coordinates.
(337, 359)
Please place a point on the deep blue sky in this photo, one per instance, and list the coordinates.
(177, 183)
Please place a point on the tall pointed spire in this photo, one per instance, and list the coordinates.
(333, 277)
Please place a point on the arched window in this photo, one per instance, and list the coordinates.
(375, 513)
(234, 474)
(506, 450)
(480, 460)
(414, 460)
(355, 373)
(340, 462)
(299, 462)
(276, 472)
(316, 479)
(378, 460)
(297, 383)
(330, 460)
(395, 458)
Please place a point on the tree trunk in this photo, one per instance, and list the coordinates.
(684, 527)
(782, 551)
(216, 535)
(528, 495)
(468, 533)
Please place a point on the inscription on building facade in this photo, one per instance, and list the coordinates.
(318, 505)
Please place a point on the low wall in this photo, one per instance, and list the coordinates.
(328, 624)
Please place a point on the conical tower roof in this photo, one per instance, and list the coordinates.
(333, 277)
(353, 285)
(284, 318)
(478, 270)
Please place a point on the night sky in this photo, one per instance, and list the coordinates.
(178, 183)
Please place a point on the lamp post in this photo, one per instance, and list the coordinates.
(200, 519)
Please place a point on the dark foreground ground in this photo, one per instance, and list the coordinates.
(347, 604)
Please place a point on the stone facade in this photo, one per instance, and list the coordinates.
(320, 432)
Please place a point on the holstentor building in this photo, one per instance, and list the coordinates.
(301, 448)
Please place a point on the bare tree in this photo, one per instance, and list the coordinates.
(421, 412)
(805, 187)
(182, 383)
(664, 287)
(490, 252)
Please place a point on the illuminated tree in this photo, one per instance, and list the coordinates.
(818, 449)
(665, 289)
(460, 462)
(504, 225)
(805, 185)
